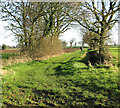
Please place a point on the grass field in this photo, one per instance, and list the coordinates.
(8, 55)
(61, 81)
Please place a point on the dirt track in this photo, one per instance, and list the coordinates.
(67, 50)
(9, 51)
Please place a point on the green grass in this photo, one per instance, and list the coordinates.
(115, 51)
(76, 47)
(60, 81)
(8, 55)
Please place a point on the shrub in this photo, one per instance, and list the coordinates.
(47, 47)
(93, 57)
(4, 46)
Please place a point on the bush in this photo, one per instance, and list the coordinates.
(4, 46)
(47, 47)
(93, 57)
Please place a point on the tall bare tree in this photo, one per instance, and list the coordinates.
(98, 18)
(71, 42)
(23, 18)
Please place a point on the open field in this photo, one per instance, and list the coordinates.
(6, 54)
(61, 81)
(17, 51)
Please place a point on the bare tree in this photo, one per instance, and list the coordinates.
(32, 21)
(22, 18)
(97, 18)
(64, 43)
(71, 42)
(75, 44)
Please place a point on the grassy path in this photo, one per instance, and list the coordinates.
(60, 81)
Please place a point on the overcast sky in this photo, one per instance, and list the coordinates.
(6, 37)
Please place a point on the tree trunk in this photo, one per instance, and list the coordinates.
(101, 49)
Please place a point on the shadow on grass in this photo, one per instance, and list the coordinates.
(46, 96)
(67, 68)
(64, 68)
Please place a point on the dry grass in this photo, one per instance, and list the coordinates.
(84, 55)
(47, 57)
(4, 72)
(20, 59)
(25, 58)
